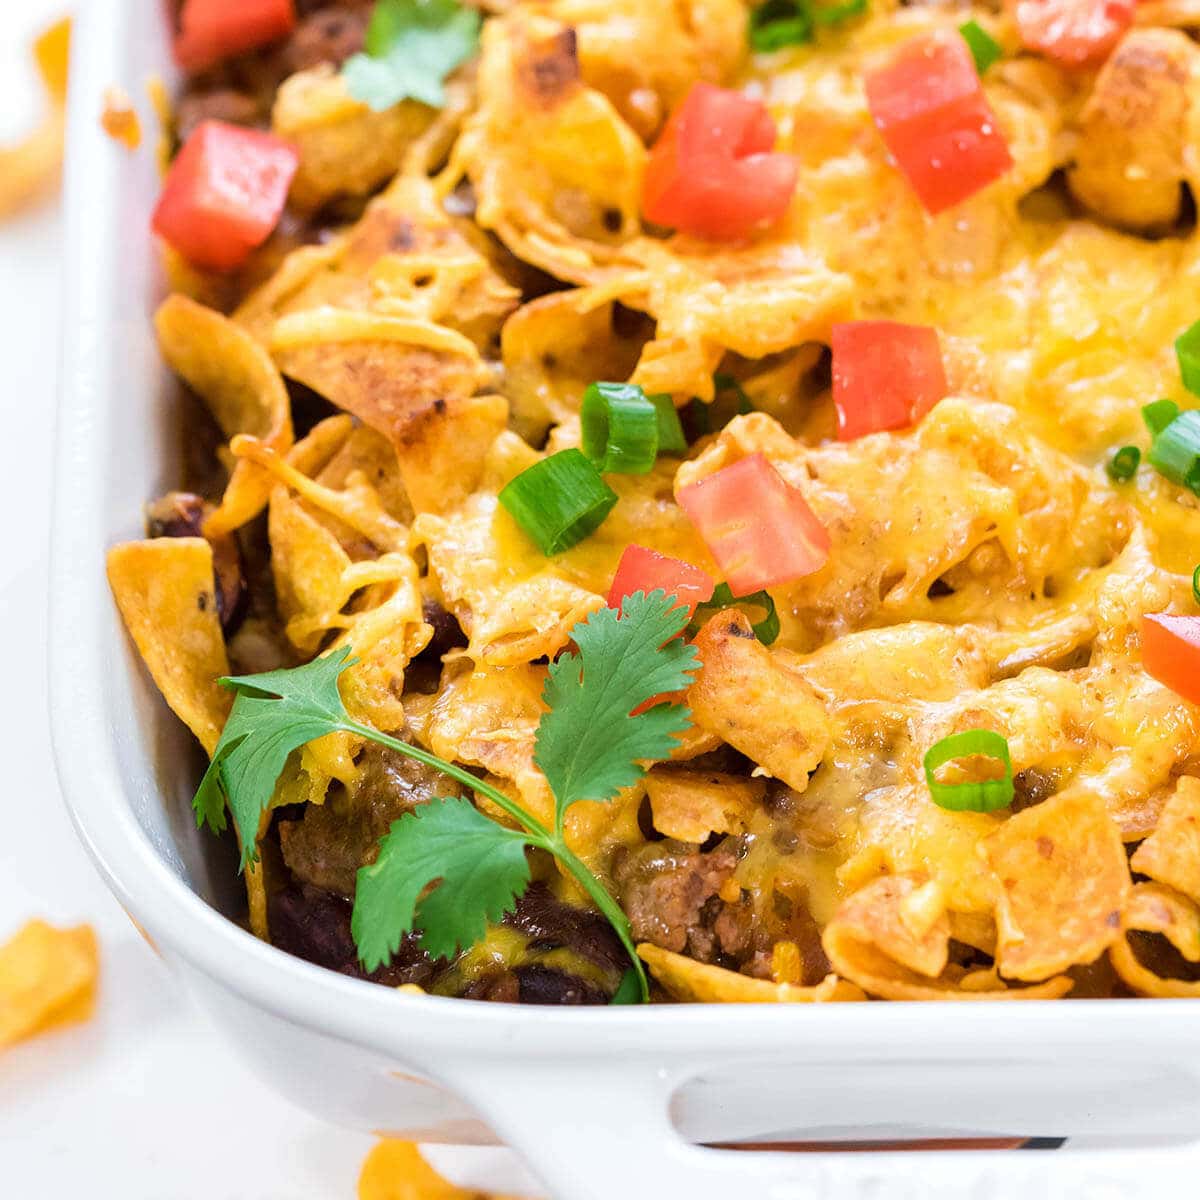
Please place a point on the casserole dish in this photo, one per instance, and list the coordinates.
(600, 1103)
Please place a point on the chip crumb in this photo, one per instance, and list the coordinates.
(29, 167)
(395, 1170)
(119, 118)
(47, 977)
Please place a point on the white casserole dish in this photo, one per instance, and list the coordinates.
(601, 1103)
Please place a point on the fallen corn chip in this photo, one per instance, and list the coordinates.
(47, 976)
(52, 52)
(119, 118)
(686, 979)
(1063, 880)
(395, 1170)
(164, 589)
(28, 167)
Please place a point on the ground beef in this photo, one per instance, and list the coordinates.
(668, 890)
(315, 925)
(217, 104)
(242, 89)
(746, 934)
(326, 847)
(329, 35)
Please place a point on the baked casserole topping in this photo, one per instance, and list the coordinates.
(690, 499)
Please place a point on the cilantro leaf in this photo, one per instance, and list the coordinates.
(274, 713)
(588, 743)
(481, 867)
(447, 870)
(411, 46)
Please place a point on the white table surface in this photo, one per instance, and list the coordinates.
(146, 1101)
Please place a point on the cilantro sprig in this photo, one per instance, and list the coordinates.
(446, 869)
(411, 47)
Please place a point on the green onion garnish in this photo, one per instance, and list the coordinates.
(1159, 415)
(779, 23)
(1187, 351)
(1175, 451)
(1124, 464)
(833, 14)
(985, 795)
(984, 48)
(670, 428)
(558, 501)
(620, 428)
(1196, 585)
(766, 630)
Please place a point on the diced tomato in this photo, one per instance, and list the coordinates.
(929, 106)
(758, 527)
(1075, 33)
(713, 172)
(643, 570)
(224, 194)
(210, 30)
(885, 375)
(1171, 652)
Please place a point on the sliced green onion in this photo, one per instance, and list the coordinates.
(1124, 464)
(558, 501)
(1175, 451)
(985, 50)
(1187, 351)
(1196, 585)
(727, 383)
(620, 428)
(833, 14)
(670, 428)
(780, 23)
(766, 630)
(986, 795)
(1159, 415)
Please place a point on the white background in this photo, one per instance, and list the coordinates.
(146, 1102)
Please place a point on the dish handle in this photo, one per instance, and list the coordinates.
(604, 1132)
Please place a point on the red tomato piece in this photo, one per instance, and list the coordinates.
(643, 570)
(1171, 652)
(1075, 33)
(929, 107)
(210, 30)
(224, 194)
(712, 172)
(758, 527)
(885, 375)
